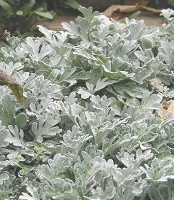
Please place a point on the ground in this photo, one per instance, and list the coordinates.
(150, 19)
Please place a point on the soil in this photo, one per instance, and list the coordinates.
(150, 19)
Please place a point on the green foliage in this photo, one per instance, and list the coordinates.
(72, 4)
(90, 127)
(171, 2)
(19, 16)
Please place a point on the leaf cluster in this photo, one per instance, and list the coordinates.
(91, 126)
(19, 16)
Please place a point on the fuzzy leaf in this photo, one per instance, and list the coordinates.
(21, 120)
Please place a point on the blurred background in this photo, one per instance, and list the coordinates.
(21, 16)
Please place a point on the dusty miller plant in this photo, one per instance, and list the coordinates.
(90, 127)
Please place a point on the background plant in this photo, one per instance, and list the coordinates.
(19, 16)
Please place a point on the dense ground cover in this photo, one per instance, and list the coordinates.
(92, 126)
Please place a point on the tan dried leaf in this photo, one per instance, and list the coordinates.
(154, 10)
(166, 109)
(110, 11)
(15, 87)
(120, 9)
